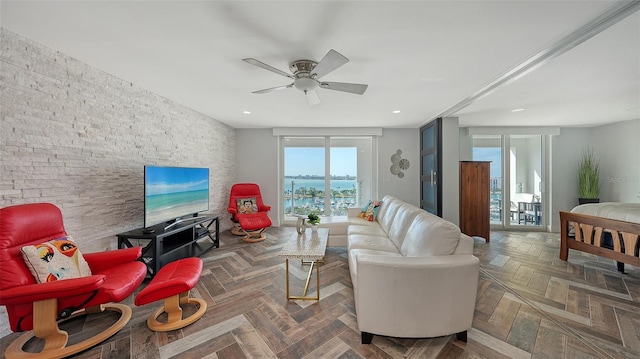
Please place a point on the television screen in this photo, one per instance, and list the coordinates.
(174, 192)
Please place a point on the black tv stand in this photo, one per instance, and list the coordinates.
(182, 220)
(161, 245)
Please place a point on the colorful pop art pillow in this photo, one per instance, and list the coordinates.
(55, 260)
(247, 205)
(370, 211)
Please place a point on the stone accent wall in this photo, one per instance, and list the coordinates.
(78, 137)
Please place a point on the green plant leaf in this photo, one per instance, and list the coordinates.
(588, 175)
(313, 218)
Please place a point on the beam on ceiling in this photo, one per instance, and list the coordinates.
(617, 12)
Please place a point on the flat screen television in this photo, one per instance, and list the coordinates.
(171, 193)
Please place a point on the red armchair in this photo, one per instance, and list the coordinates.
(40, 306)
(248, 212)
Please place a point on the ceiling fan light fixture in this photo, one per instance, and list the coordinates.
(306, 74)
(305, 83)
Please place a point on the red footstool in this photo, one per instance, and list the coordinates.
(172, 283)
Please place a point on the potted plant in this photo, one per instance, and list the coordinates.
(588, 178)
(313, 220)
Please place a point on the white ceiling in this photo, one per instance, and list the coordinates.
(420, 57)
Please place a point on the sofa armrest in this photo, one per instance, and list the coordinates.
(415, 296)
(465, 245)
(353, 212)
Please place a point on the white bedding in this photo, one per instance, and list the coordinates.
(628, 212)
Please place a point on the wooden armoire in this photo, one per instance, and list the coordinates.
(474, 198)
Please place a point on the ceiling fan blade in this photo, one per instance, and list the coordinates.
(358, 89)
(261, 64)
(274, 89)
(331, 61)
(312, 97)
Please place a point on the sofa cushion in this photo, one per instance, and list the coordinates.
(401, 223)
(372, 228)
(430, 235)
(337, 224)
(384, 205)
(368, 241)
(385, 218)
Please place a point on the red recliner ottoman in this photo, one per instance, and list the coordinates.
(172, 284)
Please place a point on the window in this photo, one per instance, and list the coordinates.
(326, 174)
(516, 177)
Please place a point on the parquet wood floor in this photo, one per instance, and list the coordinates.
(530, 304)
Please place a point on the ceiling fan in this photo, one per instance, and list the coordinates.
(307, 73)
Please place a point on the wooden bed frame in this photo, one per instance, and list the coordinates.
(588, 236)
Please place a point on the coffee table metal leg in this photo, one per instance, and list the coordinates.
(315, 264)
(318, 279)
(286, 264)
(306, 284)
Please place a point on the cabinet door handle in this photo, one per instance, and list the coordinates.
(434, 180)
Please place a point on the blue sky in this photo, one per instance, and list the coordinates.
(175, 179)
(310, 161)
(489, 154)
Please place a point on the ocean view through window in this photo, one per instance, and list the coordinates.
(321, 175)
(306, 194)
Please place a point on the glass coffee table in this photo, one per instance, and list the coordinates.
(307, 246)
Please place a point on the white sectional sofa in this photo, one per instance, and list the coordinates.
(414, 274)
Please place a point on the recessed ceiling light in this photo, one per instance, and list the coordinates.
(396, 111)
(246, 112)
(517, 110)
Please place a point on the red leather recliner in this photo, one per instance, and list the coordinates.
(252, 220)
(39, 306)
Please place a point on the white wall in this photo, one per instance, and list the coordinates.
(466, 144)
(617, 146)
(407, 188)
(257, 156)
(450, 169)
(566, 150)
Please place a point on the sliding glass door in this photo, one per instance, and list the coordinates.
(516, 178)
(525, 179)
(304, 173)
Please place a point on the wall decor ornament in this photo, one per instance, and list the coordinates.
(399, 164)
